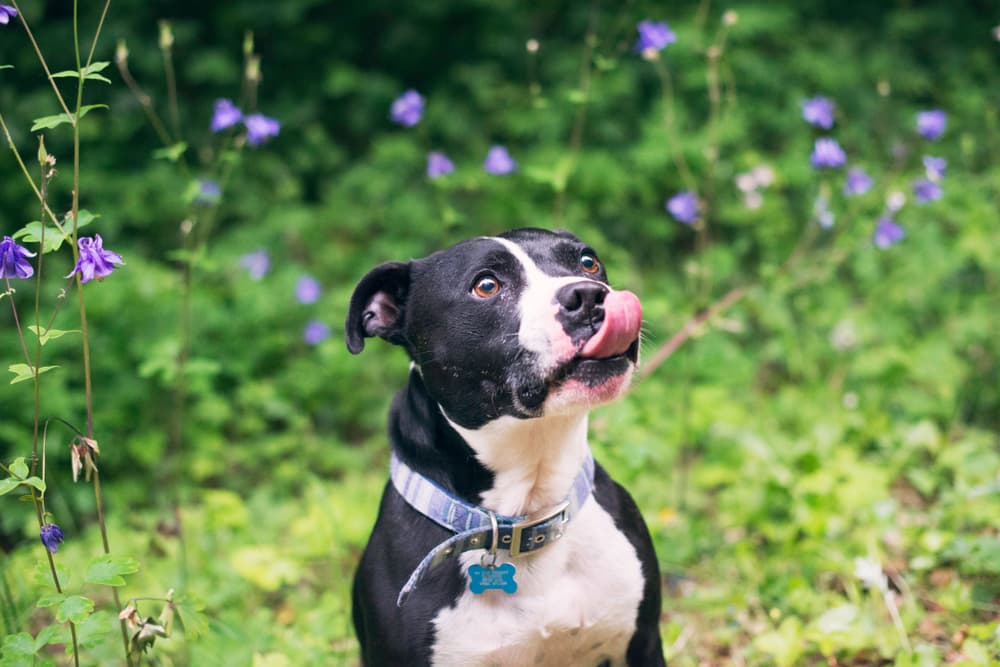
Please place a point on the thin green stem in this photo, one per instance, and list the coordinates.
(41, 59)
(27, 176)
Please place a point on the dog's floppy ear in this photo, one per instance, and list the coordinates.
(377, 305)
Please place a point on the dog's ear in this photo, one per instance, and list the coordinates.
(377, 305)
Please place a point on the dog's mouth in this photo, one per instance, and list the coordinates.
(614, 347)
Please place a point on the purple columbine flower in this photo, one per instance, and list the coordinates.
(52, 537)
(438, 164)
(498, 161)
(407, 109)
(858, 182)
(935, 167)
(307, 290)
(827, 153)
(654, 36)
(316, 332)
(684, 207)
(818, 111)
(226, 114)
(6, 14)
(260, 128)
(258, 263)
(931, 124)
(887, 233)
(926, 190)
(12, 260)
(94, 260)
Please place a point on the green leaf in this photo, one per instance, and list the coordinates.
(74, 608)
(50, 634)
(49, 122)
(21, 644)
(19, 468)
(51, 600)
(107, 570)
(90, 72)
(6, 67)
(36, 482)
(32, 232)
(49, 334)
(191, 615)
(24, 372)
(8, 485)
(171, 153)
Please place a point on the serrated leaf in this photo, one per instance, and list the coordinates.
(32, 232)
(49, 122)
(49, 334)
(19, 468)
(108, 570)
(50, 634)
(24, 372)
(8, 485)
(171, 153)
(74, 608)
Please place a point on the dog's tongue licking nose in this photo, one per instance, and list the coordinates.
(622, 320)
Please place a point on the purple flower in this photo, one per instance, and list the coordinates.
(498, 161)
(438, 164)
(935, 167)
(307, 290)
(818, 111)
(827, 153)
(258, 263)
(94, 260)
(315, 332)
(226, 115)
(260, 128)
(654, 36)
(926, 190)
(858, 182)
(887, 233)
(6, 14)
(684, 207)
(407, 109)
(52, 537)
(209, 192)
(931, 124)
(12, 259)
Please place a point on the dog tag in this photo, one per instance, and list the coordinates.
(499, 577)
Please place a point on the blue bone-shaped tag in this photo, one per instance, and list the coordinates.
(487, 578)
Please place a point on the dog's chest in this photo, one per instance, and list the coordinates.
(576, 604)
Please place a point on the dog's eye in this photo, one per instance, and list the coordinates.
(589, 263)
(486, 286)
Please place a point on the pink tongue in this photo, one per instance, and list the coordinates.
(622, 320)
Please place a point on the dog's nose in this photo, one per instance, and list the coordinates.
(581, 306)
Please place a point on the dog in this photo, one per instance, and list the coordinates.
(498, 541)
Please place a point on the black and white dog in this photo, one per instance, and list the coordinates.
(498, 540)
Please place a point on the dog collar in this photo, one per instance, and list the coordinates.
(475, 527)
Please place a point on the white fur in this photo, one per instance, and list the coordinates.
(577, 599)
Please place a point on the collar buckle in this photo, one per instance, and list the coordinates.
(534, 521)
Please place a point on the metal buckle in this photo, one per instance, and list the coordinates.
(530, 522)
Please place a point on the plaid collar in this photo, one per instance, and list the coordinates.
(473, 526)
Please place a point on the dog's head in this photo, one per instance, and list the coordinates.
(524, 324)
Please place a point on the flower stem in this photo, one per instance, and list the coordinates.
(41, 59)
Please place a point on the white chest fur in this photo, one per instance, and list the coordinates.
(576, 605)
(577, 600)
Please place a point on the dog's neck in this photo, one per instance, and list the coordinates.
(533, 461)
(511, 466)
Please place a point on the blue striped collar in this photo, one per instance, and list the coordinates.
(473, 525)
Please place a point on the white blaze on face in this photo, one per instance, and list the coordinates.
(540, 331)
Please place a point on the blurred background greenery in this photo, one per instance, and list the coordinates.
(846, 407)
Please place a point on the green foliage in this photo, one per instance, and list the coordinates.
(846, 407)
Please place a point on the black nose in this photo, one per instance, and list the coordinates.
(581, 308)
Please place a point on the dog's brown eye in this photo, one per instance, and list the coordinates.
(590, 264)
(486, 286)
